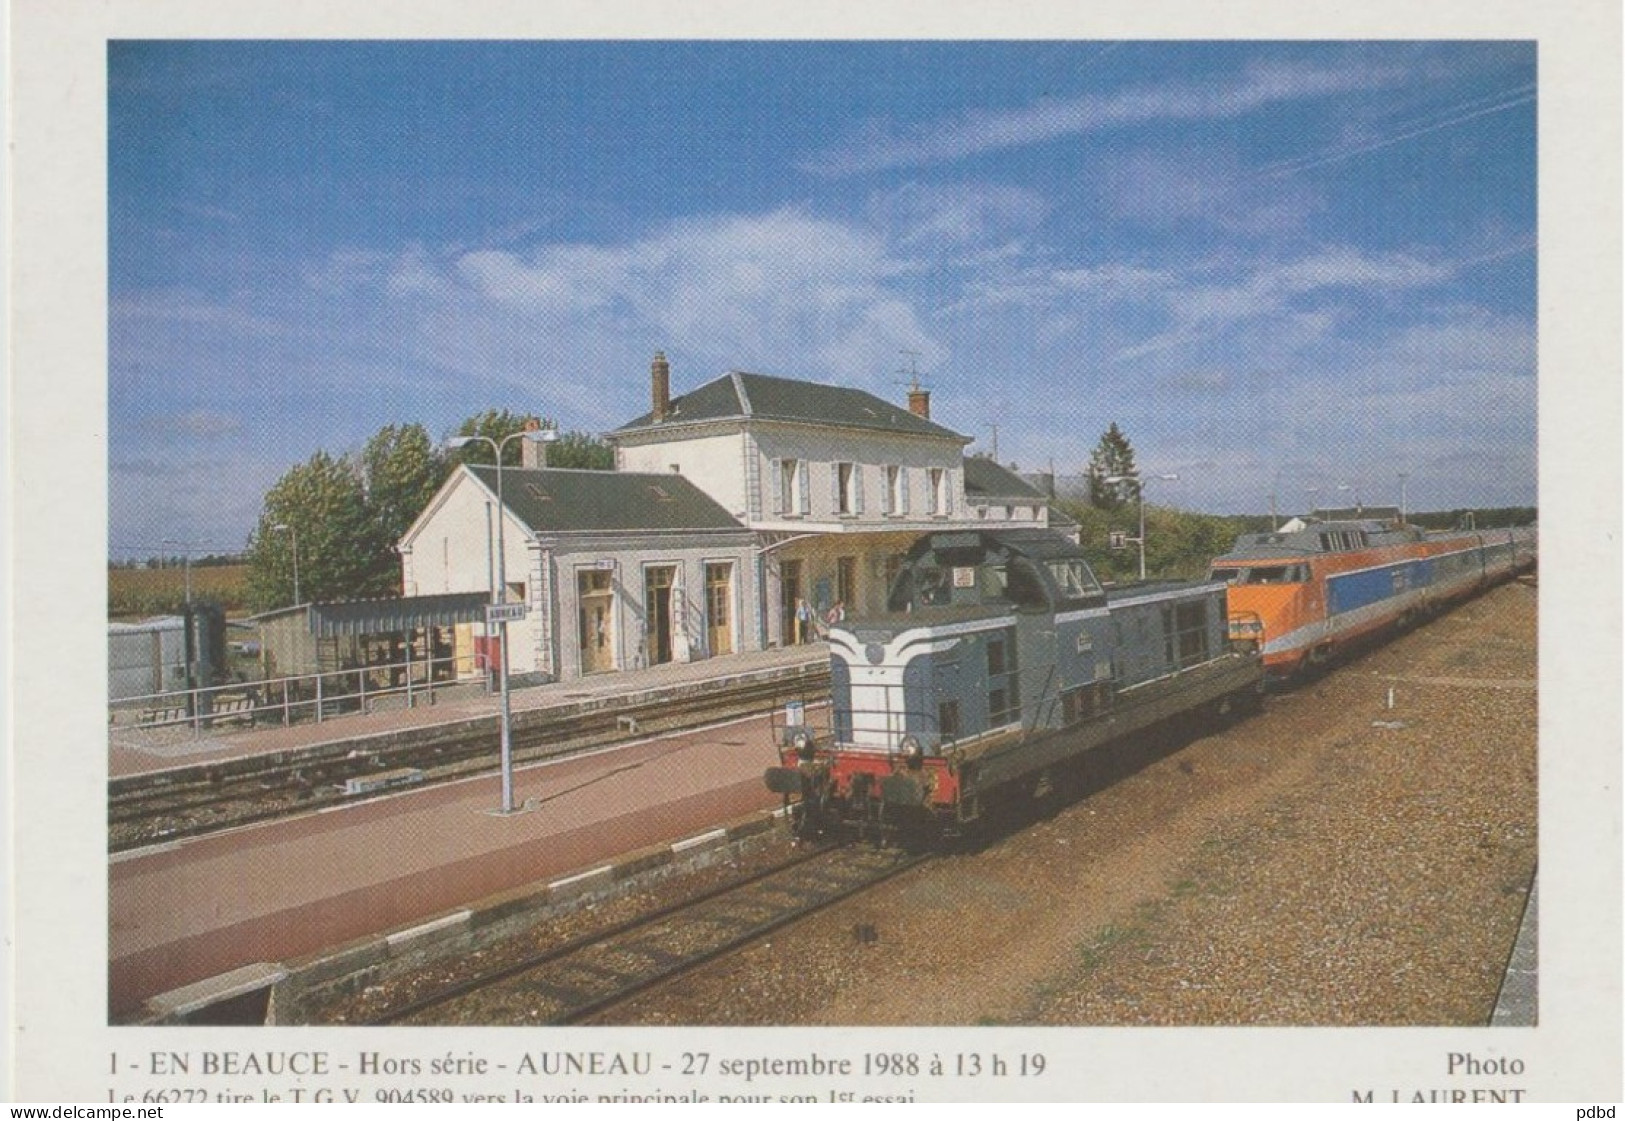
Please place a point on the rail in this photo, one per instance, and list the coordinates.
(301, 698)
(584, 977)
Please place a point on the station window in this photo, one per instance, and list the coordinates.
(790, 487)
(896, 490)
(937, 480)
(847, 496)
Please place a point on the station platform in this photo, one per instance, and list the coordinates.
(190, 910)
(187, 911)
(134, 751)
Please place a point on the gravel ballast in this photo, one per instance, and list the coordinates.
(1333, 861)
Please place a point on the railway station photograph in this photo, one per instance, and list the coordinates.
(932, 533)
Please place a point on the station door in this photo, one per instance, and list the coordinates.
(595, 594)
(719, 588)
(657, 585)
(790, 595)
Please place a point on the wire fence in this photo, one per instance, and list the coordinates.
(304, 698)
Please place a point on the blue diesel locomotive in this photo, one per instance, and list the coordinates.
(1000, 661)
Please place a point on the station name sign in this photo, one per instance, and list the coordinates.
(504, 612)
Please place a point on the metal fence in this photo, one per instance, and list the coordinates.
(304, 698)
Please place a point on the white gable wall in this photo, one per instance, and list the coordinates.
(715, 463)
(450, 549)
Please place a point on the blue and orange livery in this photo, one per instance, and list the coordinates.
(1305, 594)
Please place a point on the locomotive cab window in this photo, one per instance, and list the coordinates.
(1023, 586)
(1184, 629)
(1073, 579)
(1262, 574)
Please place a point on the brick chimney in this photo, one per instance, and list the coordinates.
(919, 401)
(532, 454)
(660, 386)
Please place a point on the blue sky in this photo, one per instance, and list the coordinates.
(1276, 266)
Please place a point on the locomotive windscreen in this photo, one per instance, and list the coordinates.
(977, 570)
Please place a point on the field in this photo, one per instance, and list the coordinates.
(134, 593)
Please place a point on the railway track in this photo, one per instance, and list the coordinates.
(192, 801)
(587, 976)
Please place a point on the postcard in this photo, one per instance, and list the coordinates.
(873, 554)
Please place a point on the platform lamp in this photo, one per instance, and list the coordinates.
(499, 590)
(284, 527)
(1359, 506)
(1139, 482)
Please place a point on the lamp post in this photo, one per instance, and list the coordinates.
(499, 592)
(1404, 513)
(292, 531)
(1139, 482)
(1358, 505)
(189, 624)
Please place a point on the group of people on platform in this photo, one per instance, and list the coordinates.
(811, 626)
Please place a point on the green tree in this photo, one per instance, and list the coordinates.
(342, 552)
(495, 425)
(572, 449)
(1178, 544)
(581, 450)
(1113, 456)
(402, 470)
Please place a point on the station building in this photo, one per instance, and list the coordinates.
(743, 514)
(617, 570)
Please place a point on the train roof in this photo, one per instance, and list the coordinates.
(1319, 537)
(1117, 593)
(1052, 571)
(1038, 544)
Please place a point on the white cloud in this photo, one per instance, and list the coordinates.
(782, 290)
(192, 310)
(879, 147)
(201, 423)
(1209, 188)
(955, 216)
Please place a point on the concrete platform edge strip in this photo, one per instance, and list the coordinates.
(289, 982)
(177, 1004)
(715, 836)
(580, 877)
(433, 926)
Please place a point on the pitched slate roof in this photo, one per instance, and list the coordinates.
(990, 482)
(562, 500)
(738, 396)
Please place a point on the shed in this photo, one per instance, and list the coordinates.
(383, 636)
